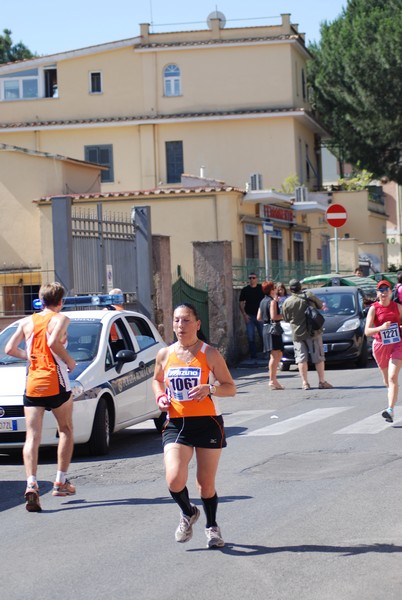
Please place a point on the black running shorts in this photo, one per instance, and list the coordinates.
(48, 402)
(198, 432)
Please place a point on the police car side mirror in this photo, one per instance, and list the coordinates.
(124, 356)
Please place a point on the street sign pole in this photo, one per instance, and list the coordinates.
(336, 251)
(336, 216)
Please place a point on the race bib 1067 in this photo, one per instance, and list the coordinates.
(391, 335)
(181, 380)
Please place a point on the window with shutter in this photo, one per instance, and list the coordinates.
(101, 155)
(174, 162)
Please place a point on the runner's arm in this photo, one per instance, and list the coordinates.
(370, 328)
(158, 382)
(57, 337)
(12, 345)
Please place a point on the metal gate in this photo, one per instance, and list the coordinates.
(183, 292)
(94, 252)
(103, 252)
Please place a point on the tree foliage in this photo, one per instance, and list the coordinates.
(356, 79)
(10, 52)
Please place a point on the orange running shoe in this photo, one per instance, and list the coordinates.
(63, 489)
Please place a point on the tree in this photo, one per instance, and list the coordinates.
(356, 79)
(290, 184)
(10, 52)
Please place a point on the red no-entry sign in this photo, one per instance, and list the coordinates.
(336, 215)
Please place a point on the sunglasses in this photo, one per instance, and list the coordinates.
(252, 277)
(384, 289)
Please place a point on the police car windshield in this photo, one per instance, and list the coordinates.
(83, 341)
(5, 335)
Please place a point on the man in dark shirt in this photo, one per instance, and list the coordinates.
(250, 298)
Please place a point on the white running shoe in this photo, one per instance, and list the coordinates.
(184, 532)
(214, 537)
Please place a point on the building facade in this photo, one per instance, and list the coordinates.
(229, 104)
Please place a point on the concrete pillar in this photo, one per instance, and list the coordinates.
(213, 268)
(162, 277)
(63, 242)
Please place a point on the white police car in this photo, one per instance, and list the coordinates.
(112, 383)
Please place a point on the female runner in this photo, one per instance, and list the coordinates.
(189, 376)
(383, 323)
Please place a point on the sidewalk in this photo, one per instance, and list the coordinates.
(249, 363)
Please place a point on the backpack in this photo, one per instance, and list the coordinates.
(395, 294)
(314, 318)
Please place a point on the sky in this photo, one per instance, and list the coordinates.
(49, 27)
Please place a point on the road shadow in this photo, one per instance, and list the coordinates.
(128, 443)
(16, 487)
(245, 550)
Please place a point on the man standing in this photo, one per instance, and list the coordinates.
(47, 388)
(250, 298)
(305, 344)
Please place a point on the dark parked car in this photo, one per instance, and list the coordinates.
(343, 335)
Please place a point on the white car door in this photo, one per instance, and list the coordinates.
(148, 344)
(129, 383)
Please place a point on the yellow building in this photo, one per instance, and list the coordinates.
(230, 104)
(26, 175)
(362, 240)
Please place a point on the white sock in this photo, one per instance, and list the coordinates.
(31, 479)
(61, 477)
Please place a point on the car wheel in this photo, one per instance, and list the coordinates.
(160, 421)
(363, 358)
(284, 366)
(99, 442)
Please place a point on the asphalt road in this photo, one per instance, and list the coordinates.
(310, 495)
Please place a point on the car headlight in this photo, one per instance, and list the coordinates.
(350, 325)
(77, 389)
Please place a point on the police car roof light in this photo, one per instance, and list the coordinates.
(77, 301)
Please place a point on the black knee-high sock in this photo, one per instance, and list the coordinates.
(182, 499)
(210, 508)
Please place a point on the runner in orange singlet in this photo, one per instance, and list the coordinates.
(189, 376)
(47, 388)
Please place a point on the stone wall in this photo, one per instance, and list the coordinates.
(162, 284)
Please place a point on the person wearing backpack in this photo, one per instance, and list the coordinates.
(306, 344)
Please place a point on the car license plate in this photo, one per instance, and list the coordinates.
(8, 425)
(325, 347)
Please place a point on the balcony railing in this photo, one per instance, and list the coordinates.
(278, 270)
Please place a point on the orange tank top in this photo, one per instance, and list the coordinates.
(180, 377)
(46, 371)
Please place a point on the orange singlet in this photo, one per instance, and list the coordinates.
(46, 371)
(180, 377)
